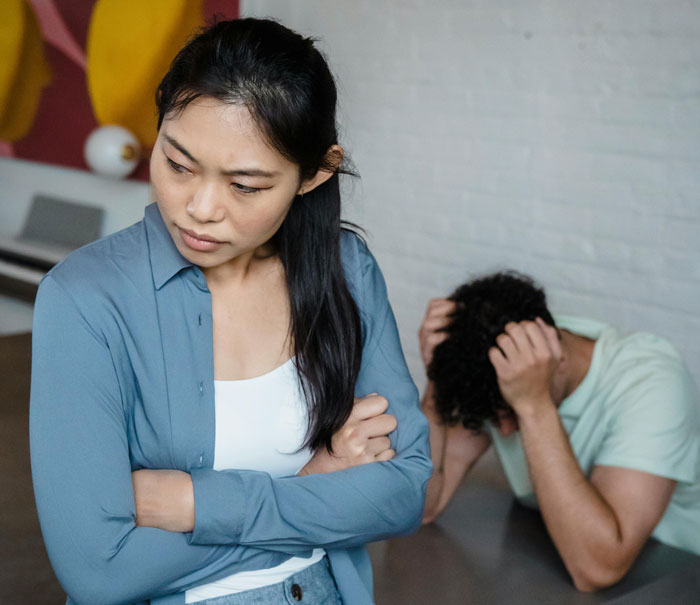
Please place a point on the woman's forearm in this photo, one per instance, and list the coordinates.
(164, 499)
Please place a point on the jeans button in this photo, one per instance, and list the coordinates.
(296, 592)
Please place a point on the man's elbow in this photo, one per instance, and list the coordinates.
(597, 576)
(433, 508)
(428, 517)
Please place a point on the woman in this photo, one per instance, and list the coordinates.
(230, 329)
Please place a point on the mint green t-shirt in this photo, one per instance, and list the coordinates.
(637, 407)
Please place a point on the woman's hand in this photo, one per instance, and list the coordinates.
(362, 439)
(164, 499)
(431, 334)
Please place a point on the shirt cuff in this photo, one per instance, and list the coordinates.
(219, 506)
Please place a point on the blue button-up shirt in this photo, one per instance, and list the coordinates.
(123, 379)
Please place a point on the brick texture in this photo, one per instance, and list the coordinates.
(556, 137)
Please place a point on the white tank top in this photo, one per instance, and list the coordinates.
(260, 424)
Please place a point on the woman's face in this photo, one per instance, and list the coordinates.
(222, 190)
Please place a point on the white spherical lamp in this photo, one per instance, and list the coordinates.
(112, 151)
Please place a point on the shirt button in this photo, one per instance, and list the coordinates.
(201, 458)
(296, 592)
(201, 388)
(199, 319)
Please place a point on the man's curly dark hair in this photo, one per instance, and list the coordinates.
(465, 383)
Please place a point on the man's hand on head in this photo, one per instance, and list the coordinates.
(431, 333)
(525, 359)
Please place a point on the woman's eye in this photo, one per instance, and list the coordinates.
(245, 189)
(179, 168)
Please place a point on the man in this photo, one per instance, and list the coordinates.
(598, 429)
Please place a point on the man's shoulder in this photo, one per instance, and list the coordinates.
(644, 373)
(583, 326)
(632, 369)
(643, 354)
(620, 346)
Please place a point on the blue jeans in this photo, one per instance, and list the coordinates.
(311, 586)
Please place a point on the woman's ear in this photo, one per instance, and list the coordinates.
(332, 161)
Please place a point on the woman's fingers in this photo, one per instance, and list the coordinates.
(379, 425)
(369, 406)
(377, 445)
(364, 436)
(385, 456)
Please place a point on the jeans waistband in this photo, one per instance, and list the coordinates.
(311, 586)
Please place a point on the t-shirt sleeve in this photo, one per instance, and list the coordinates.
(655, 425)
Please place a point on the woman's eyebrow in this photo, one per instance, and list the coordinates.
(236, 172)
(249, 172)
(180, 148)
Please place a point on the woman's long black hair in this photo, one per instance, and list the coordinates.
(285, 83)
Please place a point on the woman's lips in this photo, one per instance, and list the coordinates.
(199, 242)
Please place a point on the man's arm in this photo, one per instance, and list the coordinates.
(598, 525)
(454, 450)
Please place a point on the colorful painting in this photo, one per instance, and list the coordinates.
(74, 66)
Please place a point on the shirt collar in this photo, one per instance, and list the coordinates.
(166, 260)
(573, 406)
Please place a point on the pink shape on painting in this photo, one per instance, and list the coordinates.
(6, 149)
(55, 31)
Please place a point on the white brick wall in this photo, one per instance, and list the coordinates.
(557, 137)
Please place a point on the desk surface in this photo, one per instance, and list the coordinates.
(486, 548)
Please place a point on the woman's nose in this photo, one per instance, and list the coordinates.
(205, 206)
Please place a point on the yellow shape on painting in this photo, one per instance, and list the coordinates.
(24, 70)
(130, 46)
